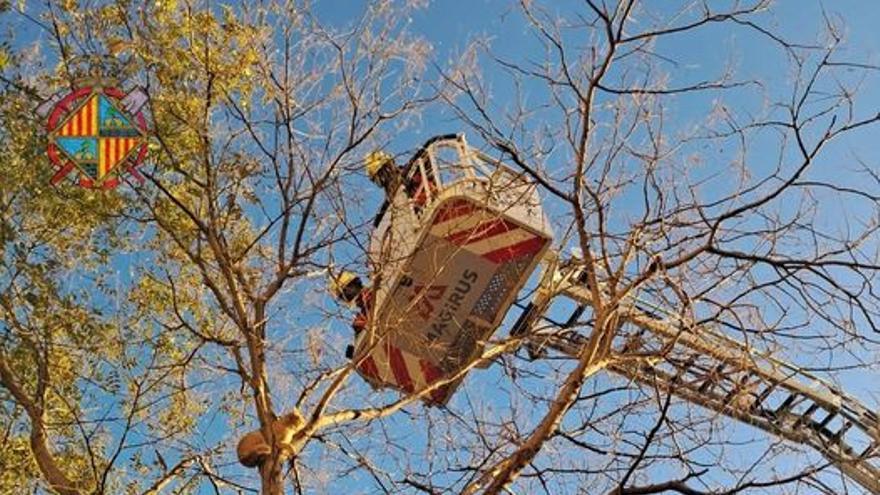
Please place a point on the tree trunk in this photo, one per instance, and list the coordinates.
(59, 482)
(271, 478)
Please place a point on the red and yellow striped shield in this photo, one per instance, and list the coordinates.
(93, 132)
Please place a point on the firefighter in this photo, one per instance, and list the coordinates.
(382, 170)
(386, 174)
(349, 288)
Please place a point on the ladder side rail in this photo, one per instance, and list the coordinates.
(857, 469)
(781, 374)
(426, 178)
(465, 157)
(774, 372)
(737, 352)
(769, 360)
(850, 406)
(724, 352)
(486, 164)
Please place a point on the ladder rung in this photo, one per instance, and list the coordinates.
(683, 369)
(786, 405)
(806, 414)
(688, 362)
(574, 316)
(766, 393)
(874, 447)
(710, 382)
(824, 423)
(651, 313)
(738, 389)
(633, 341)
(846, 426)
(519, 325)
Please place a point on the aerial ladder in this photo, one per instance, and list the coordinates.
(455, 243)
(706, 367)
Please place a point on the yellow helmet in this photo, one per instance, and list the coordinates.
(344, 278)
(344, 286)
(374, 162)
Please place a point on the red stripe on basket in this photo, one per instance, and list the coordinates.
(398, 367)
(440, 394)
(432, 374)
(529, 246)
(453, 210)
(481, 231)
(420, 196)
(368, 367)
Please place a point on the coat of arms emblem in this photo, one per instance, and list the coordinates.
(97, 132)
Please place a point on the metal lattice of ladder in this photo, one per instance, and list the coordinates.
(708, 368)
